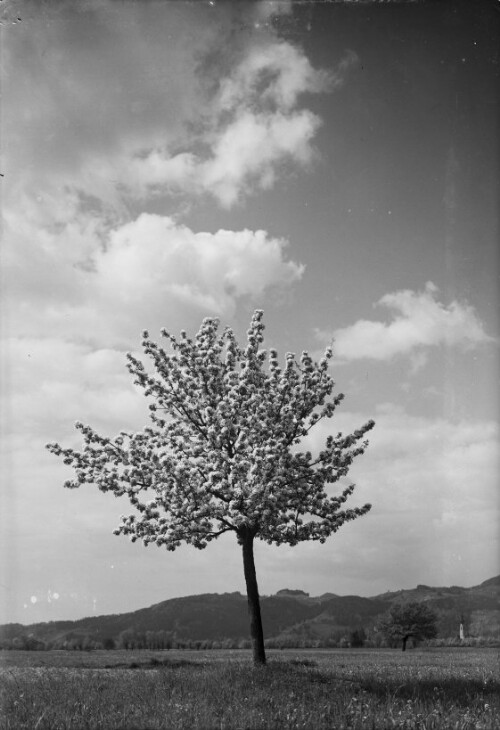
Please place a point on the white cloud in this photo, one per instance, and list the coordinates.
(108, 287)
(153, 257)
(138, 112)
(418, 321)
(275, 74)
(166, 103)
(247, 152)
(251, 126)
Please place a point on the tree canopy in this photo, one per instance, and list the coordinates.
(222, 453)
(415, 620)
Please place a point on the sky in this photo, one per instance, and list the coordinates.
(334, 164)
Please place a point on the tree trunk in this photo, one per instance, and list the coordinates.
(405, 639)
(246, 538)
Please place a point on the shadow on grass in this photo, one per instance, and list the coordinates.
(155, 663)
(302, 663)
(457, 691)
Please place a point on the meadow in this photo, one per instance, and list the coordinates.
(195, 690)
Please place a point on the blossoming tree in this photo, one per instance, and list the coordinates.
(222, 453)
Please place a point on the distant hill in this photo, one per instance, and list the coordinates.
(291, 618)
(478, 608)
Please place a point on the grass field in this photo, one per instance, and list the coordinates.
(317, 689)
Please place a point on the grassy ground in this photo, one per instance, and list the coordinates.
(437, 688)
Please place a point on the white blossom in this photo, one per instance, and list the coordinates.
(222, 451)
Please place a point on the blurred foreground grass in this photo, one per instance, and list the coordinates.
(428, 688)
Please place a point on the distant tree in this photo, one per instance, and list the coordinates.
(167, 639)
(87, 643)
(221, 455)
(75, 643)
(357, 638)
(108, 643)
(411, 620)
(126, 639)
(19, 642)
(30, 643)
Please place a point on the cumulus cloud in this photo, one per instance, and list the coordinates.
(419, 320)
(116, 106)
(166, 102)
(252, 125)
(208, 270)
(140, 274)
(275, 74)
(249, 149)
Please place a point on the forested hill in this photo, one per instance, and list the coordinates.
(291, 618)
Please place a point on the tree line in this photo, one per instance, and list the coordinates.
(413, 621)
